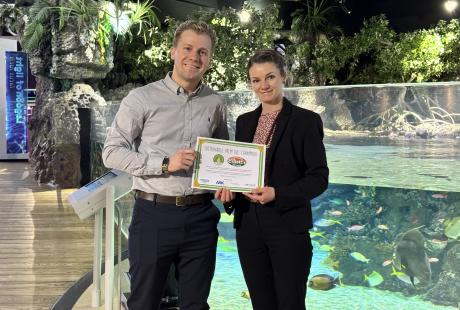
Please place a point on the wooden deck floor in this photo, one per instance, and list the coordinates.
(44, 246)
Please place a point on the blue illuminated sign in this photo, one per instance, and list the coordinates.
(16, 102)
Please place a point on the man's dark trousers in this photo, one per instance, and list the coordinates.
(164, 234)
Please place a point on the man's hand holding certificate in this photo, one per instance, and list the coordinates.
(238, 166)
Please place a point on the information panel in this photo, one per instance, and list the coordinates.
(16, 103)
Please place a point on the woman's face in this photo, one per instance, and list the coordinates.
(267, 82)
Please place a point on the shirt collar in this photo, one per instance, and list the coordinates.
(177, 89)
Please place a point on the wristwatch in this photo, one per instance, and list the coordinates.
(164, 165)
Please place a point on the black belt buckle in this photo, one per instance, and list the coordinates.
(180, 201)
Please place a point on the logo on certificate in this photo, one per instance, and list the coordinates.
(218, 159)
(237, 161)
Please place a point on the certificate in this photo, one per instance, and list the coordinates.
(237, 166)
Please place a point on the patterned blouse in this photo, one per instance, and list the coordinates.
(265, 128)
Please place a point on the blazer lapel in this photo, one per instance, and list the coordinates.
(248, 134)
(281, 123)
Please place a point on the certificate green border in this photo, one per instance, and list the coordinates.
(201, 141)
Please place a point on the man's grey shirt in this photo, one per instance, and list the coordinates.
(155, 121)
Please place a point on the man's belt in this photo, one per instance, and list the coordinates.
(180, 201)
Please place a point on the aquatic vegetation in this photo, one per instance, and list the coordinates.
(405, 116)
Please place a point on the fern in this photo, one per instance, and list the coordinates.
(39, 15)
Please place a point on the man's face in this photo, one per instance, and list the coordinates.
(191, 56)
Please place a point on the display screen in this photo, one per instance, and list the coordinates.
(92, 186)
(16, 102)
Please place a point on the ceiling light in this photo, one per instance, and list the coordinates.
(450, 5)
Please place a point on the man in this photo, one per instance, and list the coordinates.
(153, 138)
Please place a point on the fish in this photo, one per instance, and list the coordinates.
(403, 277)
(355, 227)
(330, 263)
(387, 262)
(374, 278)
(323, 282)
(359, 257)
(337, 201)
(335, 212)
(439, 196)
(225, 218)
(379, 210)
(225, 248)
(326, 222)
(314, 234)
(348, 202)
(433, 259)
(382, 227)
(409, 254)
(438, 241)
(222, 239)
(326, 248)
(452, 228)
(245, 294)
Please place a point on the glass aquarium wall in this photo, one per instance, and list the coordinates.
(386, 232)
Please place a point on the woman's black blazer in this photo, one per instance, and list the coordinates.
(296, 164)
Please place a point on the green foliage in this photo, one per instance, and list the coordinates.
(143, 19)
(378, 55)
(236, 43)
(147, 62)
(38, 24)
(313, 20)
(347, 53)
(310, 25)
(450, 38)
(84, 12)
(92, 16)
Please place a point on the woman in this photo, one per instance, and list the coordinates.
(272, 222)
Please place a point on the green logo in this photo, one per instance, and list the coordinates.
(218, 159)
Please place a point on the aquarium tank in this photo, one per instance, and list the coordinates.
(386, 232)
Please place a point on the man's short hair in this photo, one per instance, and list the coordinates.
(198, 27)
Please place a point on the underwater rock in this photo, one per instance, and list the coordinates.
(446, 291)
(410, 257)
(452, 260)
(437, 130)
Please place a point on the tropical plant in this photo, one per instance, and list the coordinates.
(236, 43)
(310, 25)
(314, 20)
(38, 24)
(376, 54)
